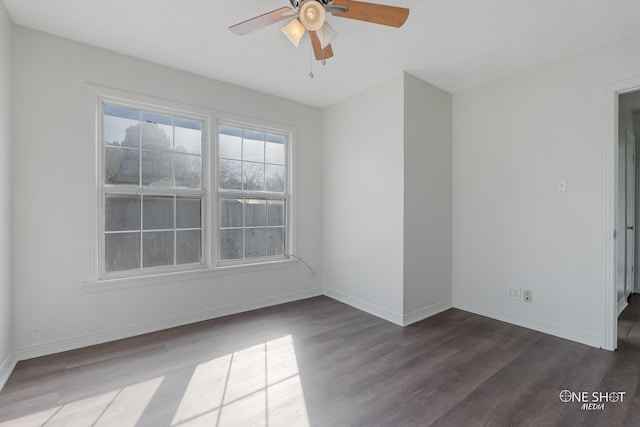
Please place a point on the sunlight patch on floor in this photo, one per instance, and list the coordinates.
(257, 386)
(127, 408)
(124, 405)
(205, 390)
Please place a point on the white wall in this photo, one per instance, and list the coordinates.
(387, 199)
(427, 198)
(7, 356)
(363, 199)
(513, 140)
(53, 199)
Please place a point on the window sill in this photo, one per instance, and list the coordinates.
(106, 285)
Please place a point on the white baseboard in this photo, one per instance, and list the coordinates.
(6, 368)
(622, 304)
(423, 313)
(536, 325)
(366, 306)
(85, 340)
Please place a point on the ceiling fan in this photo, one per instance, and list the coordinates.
(310, 15)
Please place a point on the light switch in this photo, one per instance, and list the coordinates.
(562, 185)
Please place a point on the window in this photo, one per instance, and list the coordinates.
(152, 190)
(186, 189)
(252, 194)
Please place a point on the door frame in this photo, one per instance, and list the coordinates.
(610, 321)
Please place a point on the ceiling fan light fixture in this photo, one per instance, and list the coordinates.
(326, 34)
(312, 15)
(294, 31)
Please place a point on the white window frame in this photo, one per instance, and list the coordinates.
(96, 280)
(143, 191)
(287, 196)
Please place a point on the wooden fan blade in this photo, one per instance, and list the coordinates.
(370, 12)
(321, 54)
(260, 21)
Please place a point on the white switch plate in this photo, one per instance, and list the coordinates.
(513, 293)
(562, 185)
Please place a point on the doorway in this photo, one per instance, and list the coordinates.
(622, 254)
(626, 219)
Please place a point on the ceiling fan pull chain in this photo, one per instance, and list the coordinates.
(324, 61)
(311, 64)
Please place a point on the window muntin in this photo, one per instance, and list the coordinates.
(152, 190)
(252, 194)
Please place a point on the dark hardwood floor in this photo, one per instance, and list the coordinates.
(318, 362)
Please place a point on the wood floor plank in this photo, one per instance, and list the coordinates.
(318, 362)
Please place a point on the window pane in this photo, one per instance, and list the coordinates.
(231, 244)
(121, 166)
(275, 150)
(122, 213)
(156, 168)
(188, 171)
(255, 213)
(252, 227)
(275, 178)
(230, 175)
(157, 213)
(275, 241)
(230, 141)
(231, 212)
(121, 126)
(188, 134)
(189, 246)
(122, 251)
(157, 248)
(157, 131)
(255, 242)
(253, 146)
(275, 212)
(253, 176)
(188, 212)
(150, 149)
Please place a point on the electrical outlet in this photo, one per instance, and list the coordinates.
(513, 294)
(527, 295)
(351, 280)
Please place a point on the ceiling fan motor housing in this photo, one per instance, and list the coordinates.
(297, 3)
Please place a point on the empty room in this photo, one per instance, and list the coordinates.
(319, 213)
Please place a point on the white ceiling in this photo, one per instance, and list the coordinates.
(453, 44)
